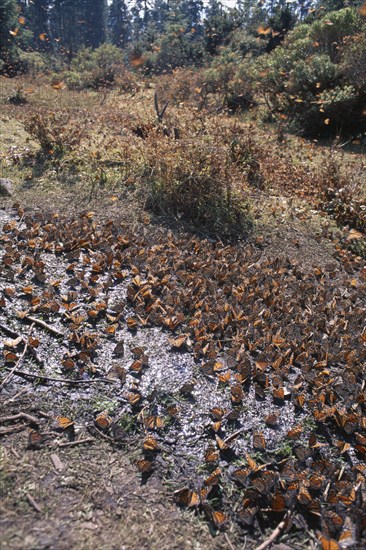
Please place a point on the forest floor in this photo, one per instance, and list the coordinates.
(161, 387)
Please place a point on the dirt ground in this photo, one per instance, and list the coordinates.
(134, 483)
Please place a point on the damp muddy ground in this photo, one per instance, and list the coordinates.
(167, 391)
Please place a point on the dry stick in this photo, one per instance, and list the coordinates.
(78, 442)
(230, 545)
(234, 435)
(44, 325)
(33, 503)
(18, 416)
(62, 380)
(8, 331)
(280, 527)
(16, 366)
(106, 437)
(12, 399)
(12, 429)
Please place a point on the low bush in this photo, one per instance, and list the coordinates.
(193, 181)
(55, 133)
(312, 79)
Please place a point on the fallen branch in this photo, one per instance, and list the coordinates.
(275, 534)
(77, 442)
(24, 374)
(42, 324)
(34, 504)
(16, 366)
(11, 429)
(21, 415)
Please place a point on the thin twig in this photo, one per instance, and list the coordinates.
(99, 432)
(11, 429)
(16, 366)
(275, 534)
(77, 442)
(21, 415)
(18, 394)
(41, 323)
(234, 435)
(62, 380)
(34, 504)
(229, 543)
(13, 334)
(9, 331)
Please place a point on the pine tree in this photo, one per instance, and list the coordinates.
(119, 23)
(8, 20)
(38, 14)
(95, 13)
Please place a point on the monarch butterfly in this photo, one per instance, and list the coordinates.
(316, 482)
(35, 439)
(295, 432)
(221, 444)
(246, 515)
(217, 413)
(237, 393)
(271, 420)
(278, 503)
(211, 454)
(172, 410)
(224, 378)
(138, 352)
(241, 475)
(216, 426)
(301, 453)
(328, 543)
(232, 415)
(278, 394)
(191, 498)
(120, 372)
(154, 422)
(150, 444)
(131, 324)
(299, 400)
(219, 519)
(64, 423)
(304, 497)
(134, 397)
(259, 442)
(136, 366)
(214, 477)
(188, 387)
(144, 466)
(103, 421)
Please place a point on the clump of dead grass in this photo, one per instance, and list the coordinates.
(194, 180)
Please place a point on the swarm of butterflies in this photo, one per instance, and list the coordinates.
(292, 334)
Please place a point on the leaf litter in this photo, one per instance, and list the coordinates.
(243, 375)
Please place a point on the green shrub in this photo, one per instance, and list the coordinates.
(313, 78)
(94, 68)
(73, 80)
(230, 80)
(33, 62)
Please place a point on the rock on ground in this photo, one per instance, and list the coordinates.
(6, 188)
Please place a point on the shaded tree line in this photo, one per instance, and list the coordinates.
(174, 32)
